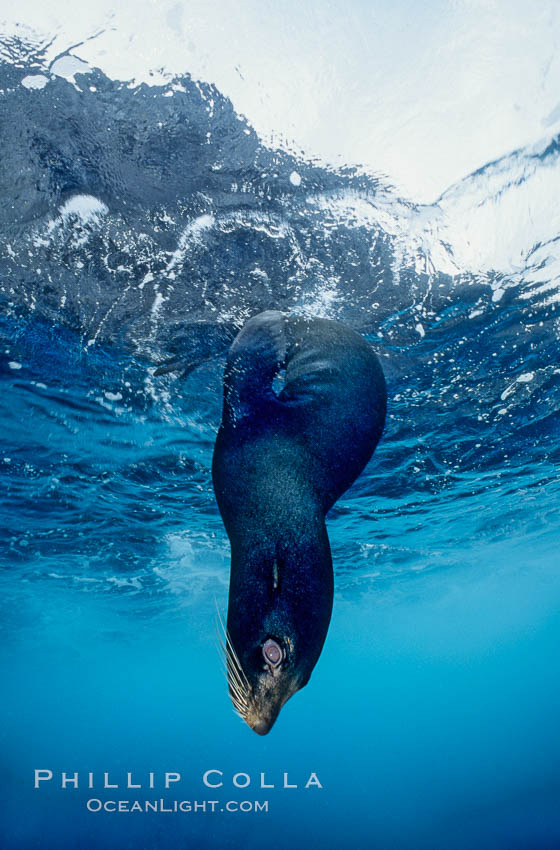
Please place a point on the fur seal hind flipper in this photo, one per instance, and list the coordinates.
(254, 359)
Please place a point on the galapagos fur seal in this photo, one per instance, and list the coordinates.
(281, 460)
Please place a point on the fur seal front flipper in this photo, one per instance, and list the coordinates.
(193, 343)
(281, 460)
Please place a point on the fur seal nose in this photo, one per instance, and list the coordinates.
(261, 727)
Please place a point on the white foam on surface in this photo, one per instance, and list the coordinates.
(85, 207)
(68, 66)
(35, 81)
(424, 93)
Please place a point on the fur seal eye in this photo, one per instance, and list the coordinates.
(272, 653)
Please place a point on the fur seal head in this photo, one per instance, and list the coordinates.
(274, 639)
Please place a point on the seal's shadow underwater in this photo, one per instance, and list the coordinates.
(281, 461)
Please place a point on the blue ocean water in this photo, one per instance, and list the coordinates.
(431, 719)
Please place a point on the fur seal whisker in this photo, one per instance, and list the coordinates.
(236, 685)
(232, 656)
(238, 689)
(237, 681)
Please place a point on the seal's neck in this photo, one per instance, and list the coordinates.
(290, 568)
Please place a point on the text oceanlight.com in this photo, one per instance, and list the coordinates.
(176, 806)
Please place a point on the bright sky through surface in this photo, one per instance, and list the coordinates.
(424, 93)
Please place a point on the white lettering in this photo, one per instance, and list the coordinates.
(172, 777)
(313, 780)
(106, 782)
(286, 784)
(129, 782)
(263, 783)
(42, 776)
(69, 780)
(207, 782)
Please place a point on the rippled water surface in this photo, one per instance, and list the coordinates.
(142, 219)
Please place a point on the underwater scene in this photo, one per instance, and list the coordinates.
(147, 216)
